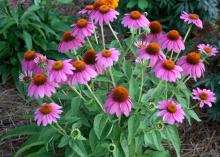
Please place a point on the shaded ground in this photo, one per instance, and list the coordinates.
(199, 140)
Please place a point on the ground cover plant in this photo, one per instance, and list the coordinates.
(123, 98)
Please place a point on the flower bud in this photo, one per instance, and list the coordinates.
(75, 134)
(111, 147)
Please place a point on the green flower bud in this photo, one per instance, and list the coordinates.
(151, 106)
(160, 125)
(75, 134)
(111, 147)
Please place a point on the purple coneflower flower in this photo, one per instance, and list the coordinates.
(207, 49)
(168, 71)
(41, 86)
(69, 43)
(90, 58)
(59, 70)
(135, 20)
(191, 18)
(47, 114)
(118, 102)
(82, 73)
(155, 32)
(83, 28)
(107, 57)
(205, 96)
(104, 15)
(192, 65)
(151, 52)
(172, 41)
(170, 111)
(26, 76)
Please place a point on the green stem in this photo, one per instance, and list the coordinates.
(194, 106)
(96, 39)
(94, 96)
(187, 33)
(75, 53)
(166, 90)
(78, 93)
(142, 83)
(103, 36)
(89, 43)
(112, 77)
(178, 86)
(184, 40)
(57, 129)
(171, 55)
(113, 32)
(57, 124)
(155, 90)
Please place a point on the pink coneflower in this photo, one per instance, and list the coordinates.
(151, 52)
(41, 86)
(40, 60)
(59, 70)
(118, 102)
(168, 71)
(104, 15)
(69, 43)
(83, 28)
(107, 57)
(205, 96)
(171, 112)
(192, 65)
(172, 41)
(13, 3)
(207, 49)
(192, 18)
(47, 114)
(90, 58)
(28, 63)
(135, 20)
(83, 73)
(155, 32)
(140, 44)
(26, 76)
(89, 9)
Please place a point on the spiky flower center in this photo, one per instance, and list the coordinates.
(155, 27)
(120, 94)
(203, 96)
(89, 7)
(153, 48)
(39, 79)
(26, 78)
(171, 108)
(173, 35)
(79, 65)
(135, 15)
(29, 55)
(169, 64)
(46, 109)
(208, 50)
(193, 58)
(98, 3)
(194, 16)
(106, 53)
(67, 36)
(81, 23)
(90, 57)
(104, 9)
(58, 65)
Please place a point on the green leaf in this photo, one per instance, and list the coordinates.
(99, 124)
(63, 142)
(127, 68)
(194, 115)
(29, 11)
(131, 3)
(64, 1)
(27, 40)
(79, 148)
(23, 130)
(152, 153)
(173, 136)
(133, 125)
(142, 4)
(153, 138)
